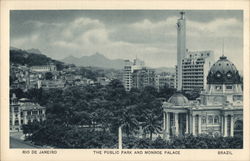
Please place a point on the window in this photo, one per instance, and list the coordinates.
(216, 119)
(16, 109)
(218, 87)
(210, 119)
(229, 87)
(204, 120)
(218, 75)
(229, 75)
(34, 112)
(16, 122)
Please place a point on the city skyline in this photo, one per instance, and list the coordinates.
(149, 35)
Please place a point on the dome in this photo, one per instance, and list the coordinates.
(223, 72)
(178, 99)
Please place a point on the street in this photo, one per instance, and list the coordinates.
(17, 143)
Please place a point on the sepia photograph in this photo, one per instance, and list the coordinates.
(126, 79)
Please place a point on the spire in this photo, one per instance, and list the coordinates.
(182, 14)
(223, 47)
(222, 51)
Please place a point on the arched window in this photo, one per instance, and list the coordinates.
(216, 119)
(16, 122)
(210, 119)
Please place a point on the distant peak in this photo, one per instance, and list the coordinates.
(35, 51)
(98, 54)
(13, 48)
(71, 56)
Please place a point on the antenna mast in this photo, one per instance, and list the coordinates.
(223, 47)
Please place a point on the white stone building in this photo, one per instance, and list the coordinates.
(23, 111)
(128, 70)
(195, 67)
(218, 110)
(44, 68)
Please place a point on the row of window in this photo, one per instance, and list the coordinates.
(33, 112)
(196, 77)
(210, 120)
(195, 84)
(192, 70)
(191, 66)
(228, 87)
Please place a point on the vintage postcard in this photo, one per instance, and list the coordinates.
(124, 80)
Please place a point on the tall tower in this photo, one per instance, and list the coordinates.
(181, 48)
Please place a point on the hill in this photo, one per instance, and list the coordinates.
(23, 57)
(165, 69)
(96, 60)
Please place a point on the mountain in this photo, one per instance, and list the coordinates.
(96, 60)
(14, 48)
(165, 69)
(23, 57)
(34, 51)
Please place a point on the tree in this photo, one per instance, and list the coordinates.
(151, 124)
(124, 120)
(18, 92)
(166, 92)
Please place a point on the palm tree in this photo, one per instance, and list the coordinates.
(152, 124)
(125, 120)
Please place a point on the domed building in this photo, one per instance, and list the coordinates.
(218, 110)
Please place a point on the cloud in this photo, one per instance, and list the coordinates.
(155, 42)
(146, 31)
(229, 28)
(80, 25)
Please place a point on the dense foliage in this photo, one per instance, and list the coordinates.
(89, 117)
(23, 57)
(186, 142)
(94, 111)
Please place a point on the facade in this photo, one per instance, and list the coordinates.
(44, 68)
(128, 70)
(48, 84)
(23, 111)
(165, 80)
(143, 77)
(127, 75)
(103, 81)
(195, 67)
(218, 110)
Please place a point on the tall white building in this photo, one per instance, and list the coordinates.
(128, 70)
(195, 67)
(192, 67)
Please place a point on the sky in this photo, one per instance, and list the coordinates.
(150, 35)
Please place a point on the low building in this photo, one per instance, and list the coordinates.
(44, 68)
(103, 81)
(165, 80)
(143, 77)
(23, 111)
(47, 84)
